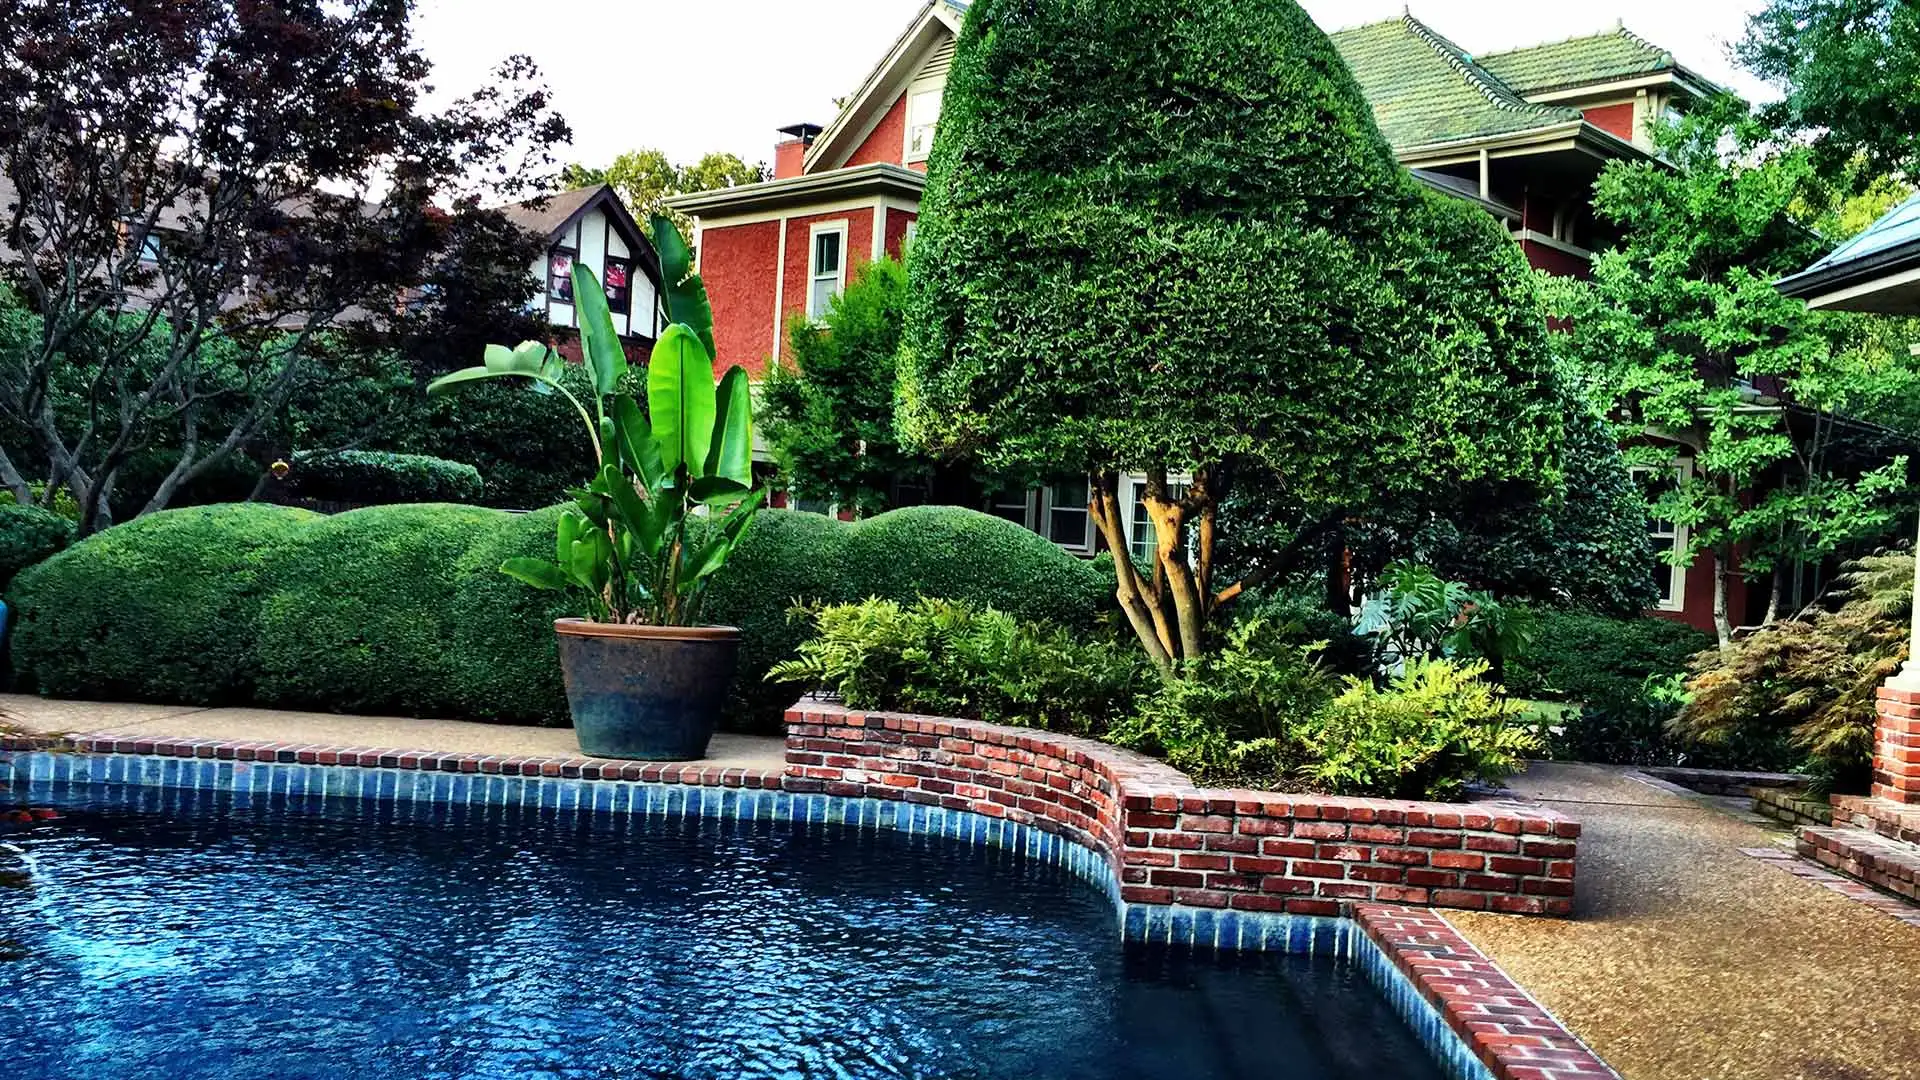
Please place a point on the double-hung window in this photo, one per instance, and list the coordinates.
(923, 113)
(1665, 537)
(619, 284)
(1141, 540)
(827, 267)
(1068, 522)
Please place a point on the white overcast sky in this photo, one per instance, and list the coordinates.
(689, 77)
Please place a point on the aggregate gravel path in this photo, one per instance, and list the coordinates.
(1688, 960)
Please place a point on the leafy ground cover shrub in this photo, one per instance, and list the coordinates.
(374, 477)
(1258, 712)
(958, 659)
(1809, 682)
(1435, 726)
(29, 534)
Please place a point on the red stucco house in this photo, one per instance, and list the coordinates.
(1522, 133)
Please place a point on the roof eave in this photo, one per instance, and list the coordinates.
(1853, 285)
(879, 178)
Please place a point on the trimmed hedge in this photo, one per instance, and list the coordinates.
(1577, 656)
(374, 477)
(160, 609)
(403, 609)
(29, 534)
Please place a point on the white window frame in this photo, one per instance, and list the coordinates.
(814, 276)
(1133, 489)
(910, 151)
(997, 501)
(1085, 546)
(1676, 598)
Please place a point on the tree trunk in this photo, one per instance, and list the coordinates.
(1722, 574)
(1777, 596)
(1339, 595)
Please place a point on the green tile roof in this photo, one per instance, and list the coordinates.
(1596, 58)
(1425, 89)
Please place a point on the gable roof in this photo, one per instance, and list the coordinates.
(551, 215)
(936, 20)
(1605, 57)
(1425, 89)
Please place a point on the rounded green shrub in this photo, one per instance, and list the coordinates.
(160, 609)
(359, 611)
(1579, 656)
(954, 553)
(375, 477)
(29, 534)
(505, 662)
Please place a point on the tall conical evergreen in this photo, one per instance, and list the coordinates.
(1160, 236)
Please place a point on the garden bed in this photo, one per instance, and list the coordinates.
(1172, 843)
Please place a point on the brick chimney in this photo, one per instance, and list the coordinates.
(789, 152)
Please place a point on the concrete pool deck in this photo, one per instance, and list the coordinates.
(1687, 958)
(44, 716)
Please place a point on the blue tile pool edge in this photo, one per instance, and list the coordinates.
(1172, 925)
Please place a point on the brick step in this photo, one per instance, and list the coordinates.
(1791, 806)
(1890, 865)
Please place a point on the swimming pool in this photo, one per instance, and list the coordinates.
(180, 933)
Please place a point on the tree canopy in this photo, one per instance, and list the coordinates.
(1682, 334)
(1158, 240)
(1851, 74)
(200, 192)
(644, 178)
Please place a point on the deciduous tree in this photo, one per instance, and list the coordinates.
(198, 190)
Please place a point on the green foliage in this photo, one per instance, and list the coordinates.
(961, 554)
(1103, 283)
(373, 477)
(61, 504)
(1234, 717)
(1435, 727)
(1580, 656)
(1680, 322)
(1418, 614)
(787, 559)
(625, 549)
(644, 178)
(359, 609)
(29, 534)
(1851, 74)
(1811, 680)
(829, 401)
(502, 658)
(507, 431)
(954, 659)
(160, 609)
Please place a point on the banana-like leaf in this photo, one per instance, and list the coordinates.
(565, 533)
(680, 400)
(627, 504)
(731, 455)
(637, 446)
(538, 573)
(605, 358)
(589, 558)
(713, 555)
(685, 293)
(717, 491)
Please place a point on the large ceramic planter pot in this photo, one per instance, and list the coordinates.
(649, 693)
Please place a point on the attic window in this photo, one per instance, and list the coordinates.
(923, 112)
(560, 274)
(619, 283)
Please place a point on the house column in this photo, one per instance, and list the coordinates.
(1896, 736)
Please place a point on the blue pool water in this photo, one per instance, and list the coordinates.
(176, 935)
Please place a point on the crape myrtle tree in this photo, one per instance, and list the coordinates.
(1169, 240)
(195, 192)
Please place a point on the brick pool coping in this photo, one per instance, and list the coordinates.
(1118, 805)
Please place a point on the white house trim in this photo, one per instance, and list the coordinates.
(779, 285)
(841, 226)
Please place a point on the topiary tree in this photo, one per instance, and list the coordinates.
(1159, 240)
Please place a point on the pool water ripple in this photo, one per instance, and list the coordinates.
(198, 939)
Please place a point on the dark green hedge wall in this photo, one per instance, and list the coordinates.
(403, 609)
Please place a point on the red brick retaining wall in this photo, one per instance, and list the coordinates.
(1172, 842)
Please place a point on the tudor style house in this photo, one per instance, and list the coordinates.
(1522, 133)
(591, 226)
